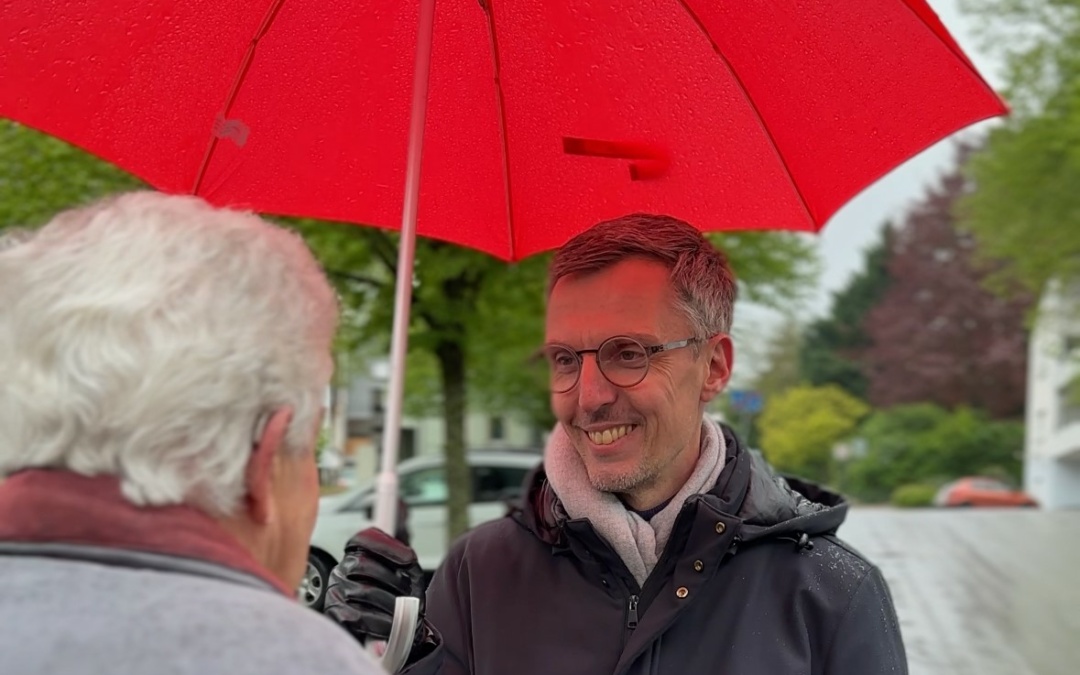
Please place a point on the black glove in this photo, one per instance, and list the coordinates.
(376, 570)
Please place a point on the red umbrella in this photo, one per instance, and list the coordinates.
(542, 116)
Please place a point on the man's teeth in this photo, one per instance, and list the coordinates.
(609, 436)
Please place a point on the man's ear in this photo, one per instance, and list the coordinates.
(721, 356)
(259, 476)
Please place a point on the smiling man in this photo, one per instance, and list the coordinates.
(651, 540)
(632, 406)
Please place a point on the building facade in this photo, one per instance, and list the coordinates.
(1052, 434)
(359, 410)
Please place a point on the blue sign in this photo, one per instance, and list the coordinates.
(747, 401)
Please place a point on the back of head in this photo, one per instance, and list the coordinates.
(146, 335)
(700, 274)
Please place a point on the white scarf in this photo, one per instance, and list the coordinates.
(638, 542)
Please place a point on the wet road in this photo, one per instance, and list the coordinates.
(979, 592)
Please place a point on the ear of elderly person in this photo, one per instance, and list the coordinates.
(652, 540)
(163, 366)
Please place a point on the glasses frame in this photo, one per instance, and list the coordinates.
(650, 351)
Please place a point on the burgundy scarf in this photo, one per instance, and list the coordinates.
(52, 506)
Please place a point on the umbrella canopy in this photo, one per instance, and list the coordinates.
(542, 117)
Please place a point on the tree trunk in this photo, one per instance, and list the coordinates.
(340, 424)
(451, 357)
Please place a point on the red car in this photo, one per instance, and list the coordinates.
(979, 491)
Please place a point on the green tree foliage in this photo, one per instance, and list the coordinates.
(475, 320)
(1026, 208)
(781, 359)
(831, 346)
(40, 175)
(800, 427)
(911, 495)
(777, 370)
(924, 443)
(774, 269)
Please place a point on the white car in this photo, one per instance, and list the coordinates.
(497, 478)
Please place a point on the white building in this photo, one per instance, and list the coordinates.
(1052, 436)
(359, 430)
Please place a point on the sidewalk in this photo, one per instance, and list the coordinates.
(979, 592)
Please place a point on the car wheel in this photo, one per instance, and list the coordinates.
(312, 591)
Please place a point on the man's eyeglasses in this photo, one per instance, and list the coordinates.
(622, 360)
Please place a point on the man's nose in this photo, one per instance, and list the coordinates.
(594, 390)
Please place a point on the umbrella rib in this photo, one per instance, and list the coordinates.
(761, 120)
(238, 81)
(501, 103)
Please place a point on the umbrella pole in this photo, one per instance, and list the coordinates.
(387, 482)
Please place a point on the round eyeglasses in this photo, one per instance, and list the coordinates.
(622, 360)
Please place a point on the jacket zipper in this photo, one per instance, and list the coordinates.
(632, 609)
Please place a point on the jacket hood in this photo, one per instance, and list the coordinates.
(767, 504)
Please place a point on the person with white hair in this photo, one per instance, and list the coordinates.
(163, 364)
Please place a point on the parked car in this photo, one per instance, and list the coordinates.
(980, 491)
(497, 477)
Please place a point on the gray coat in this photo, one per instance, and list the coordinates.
(98, 611)
(753, 580)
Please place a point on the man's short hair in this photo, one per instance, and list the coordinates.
(700, 274)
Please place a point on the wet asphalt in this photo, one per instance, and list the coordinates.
(980, 591)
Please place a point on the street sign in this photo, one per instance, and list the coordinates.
(747, 401)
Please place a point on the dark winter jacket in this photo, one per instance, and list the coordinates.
(753, 581)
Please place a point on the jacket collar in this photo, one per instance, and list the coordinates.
(765, 504)
(41, 506)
